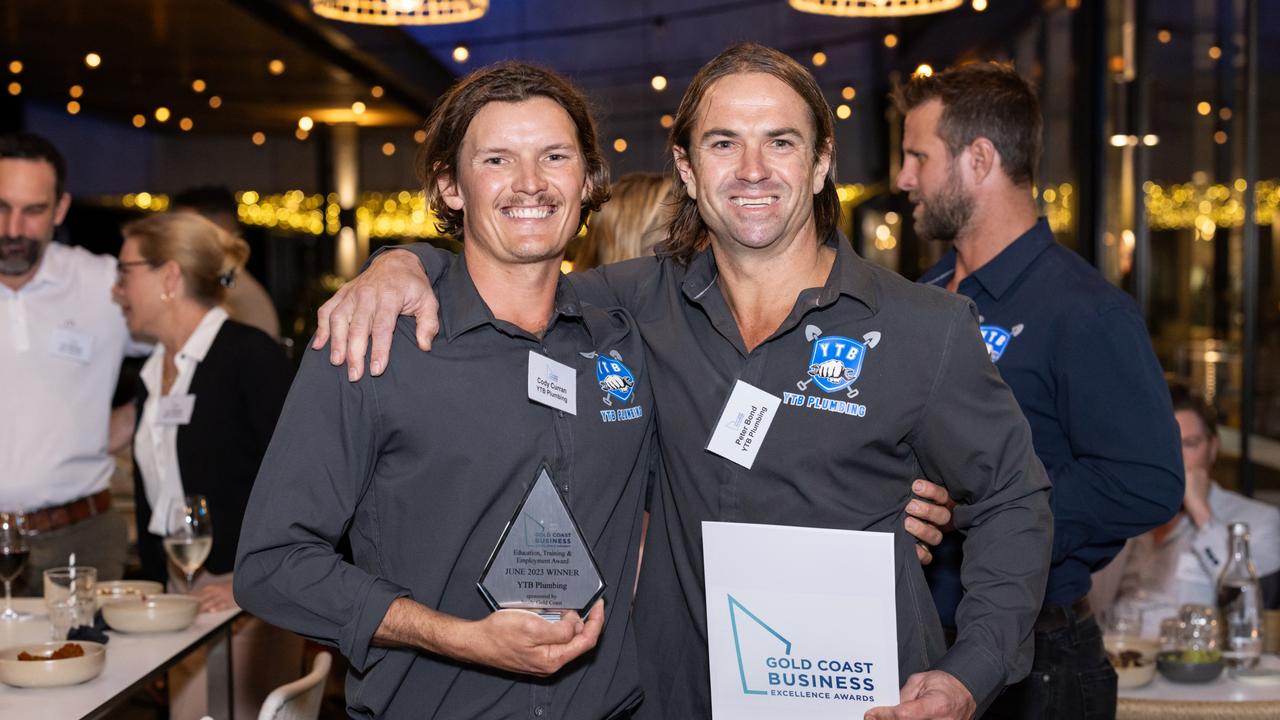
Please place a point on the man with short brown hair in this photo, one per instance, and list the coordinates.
(61, 343)
(1073, 348)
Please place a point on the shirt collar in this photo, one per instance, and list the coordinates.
(999, 273)
(850, 275)
(197, 346)
(193, 350)
(462, 309)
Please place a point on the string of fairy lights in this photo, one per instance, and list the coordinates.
(404, 214)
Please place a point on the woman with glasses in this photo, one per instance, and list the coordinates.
(210, 394)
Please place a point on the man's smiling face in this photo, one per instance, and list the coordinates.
(751, 166)
(520, 181)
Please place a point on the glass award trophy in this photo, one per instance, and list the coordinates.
(541, 562)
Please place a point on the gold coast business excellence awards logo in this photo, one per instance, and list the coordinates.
(767, 666)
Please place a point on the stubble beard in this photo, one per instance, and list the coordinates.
(947, 213)
(18, 255)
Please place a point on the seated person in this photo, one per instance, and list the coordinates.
(1180, 561)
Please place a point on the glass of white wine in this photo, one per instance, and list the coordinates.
(189, 537)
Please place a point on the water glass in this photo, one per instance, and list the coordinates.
(1123, 620)
(70, 594)
(1171, 632)
(1200, 628)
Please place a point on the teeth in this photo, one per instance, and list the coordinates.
(530, 213)
(754, 202)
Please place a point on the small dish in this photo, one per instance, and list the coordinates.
(115, 590)
(155, 614)
(1174, 669)
(1134, 660)
(51, 673)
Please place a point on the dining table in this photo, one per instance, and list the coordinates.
(1225, 698)
(133, 661)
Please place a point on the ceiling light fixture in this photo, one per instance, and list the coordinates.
(401, 12)
(874, 8)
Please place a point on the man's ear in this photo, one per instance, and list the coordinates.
(684, 166)
(60, 211)
(983, 159)
(822, 166)
(449, 191)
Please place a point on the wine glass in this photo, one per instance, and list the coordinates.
(189, 535)
(13, 558)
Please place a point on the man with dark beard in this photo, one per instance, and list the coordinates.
(1073, 348)
(61, 343)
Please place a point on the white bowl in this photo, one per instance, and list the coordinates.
(51, 673)
(158, 613)
(115, 590)
(1139, 675)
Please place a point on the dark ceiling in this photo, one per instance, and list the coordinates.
(153, 50)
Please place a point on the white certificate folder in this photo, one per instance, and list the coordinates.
(801, 622)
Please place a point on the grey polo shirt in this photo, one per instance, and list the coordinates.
(928, 403)
(422, 468)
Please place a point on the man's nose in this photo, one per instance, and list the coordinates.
(529, 179)
(11, 223)
(906, 179)
(753, 167)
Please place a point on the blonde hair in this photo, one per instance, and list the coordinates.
(208, 256)
(633, 221)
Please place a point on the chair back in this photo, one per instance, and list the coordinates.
(300, 699)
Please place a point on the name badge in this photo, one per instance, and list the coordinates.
(552, 383)
(72, 345)
(740, 431)
(176, 409)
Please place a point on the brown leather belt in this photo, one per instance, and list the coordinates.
(1055, 618)
(59, 516)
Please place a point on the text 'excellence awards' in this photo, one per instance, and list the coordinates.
(541, 563)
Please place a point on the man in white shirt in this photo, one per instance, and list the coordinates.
(1180, 561)
(61, 344)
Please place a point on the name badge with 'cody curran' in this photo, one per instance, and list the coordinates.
(541, 563)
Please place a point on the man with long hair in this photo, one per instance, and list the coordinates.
(755, 285)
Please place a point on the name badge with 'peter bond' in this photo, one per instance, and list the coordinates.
(552, 383)
(71, 344)
(176, 409)
(541, 562)
(740, 431)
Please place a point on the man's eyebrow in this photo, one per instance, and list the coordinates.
(496, 150)
(718, 132)
(725, 132)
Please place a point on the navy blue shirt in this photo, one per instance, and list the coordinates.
(1076, 353)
